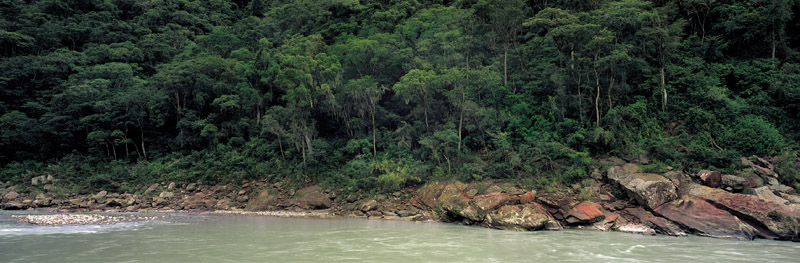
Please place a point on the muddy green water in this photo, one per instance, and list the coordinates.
(202, 238)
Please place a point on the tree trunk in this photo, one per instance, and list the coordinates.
(280, 145)
(461, 120)
(597, 98)
(144, 152)
(505, 64)
(663, 89)
(374, 131)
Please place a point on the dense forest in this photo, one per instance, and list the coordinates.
(370, 96)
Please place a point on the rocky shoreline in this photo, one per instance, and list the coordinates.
(748, 205)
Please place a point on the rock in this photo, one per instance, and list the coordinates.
(242, 198)
(734, 182)
(649, 190)
(781, 221)
(101, 195)
(660, 225)
(522, 217)
(494, 189)
(171, 186)
(760, 166)
(152, 188)
(472, 192)
(782, 188)
(704, 219)
(405, 213)
(527, 198)
(48, 187)
(351, 198)
(261, 202)
(585, 213)
(223, 204)
(11, 195)
(242, 192)
(429, 194)
(35, 181)
(635, 228)
(369, 205)
(710, 178)
(312, 197)
(191, 187)
(374, 214)
(490, 201)
(166, 194)
(14, 205)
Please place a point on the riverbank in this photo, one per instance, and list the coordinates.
(621, 197)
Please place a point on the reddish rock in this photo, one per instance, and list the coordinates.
(311, 197)
(585, 213)
(781, 220)
(527, 198)
(660, 225)
(710, 178)
(704, 219)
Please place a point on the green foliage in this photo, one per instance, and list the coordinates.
(374, 97)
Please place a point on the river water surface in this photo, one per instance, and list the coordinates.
(205, 238)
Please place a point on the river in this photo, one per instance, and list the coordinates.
(205, 238)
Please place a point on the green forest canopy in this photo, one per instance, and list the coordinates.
(373, 95)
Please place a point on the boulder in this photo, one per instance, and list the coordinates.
(430, 194)
(171, 186)
(262, 201)
(703, 218)
(100, 196)
(152, 188)
(11, 195)
(191, 187)
(13, 205)
(660, 225)
(779, 221)
(649, 190)
(166, 194)
(522, 217)
(710, 178)
(734, 182)
(312, 197)
(760, 166)
(585, 213)
(369, 205)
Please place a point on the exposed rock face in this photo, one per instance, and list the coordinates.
(262, 201)
(660, 225)
(778, 220)
(490, 201)
(13, 205)
(522, 217)
(704, 219)
(585, 213)
(649, 190)
(312, 197)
